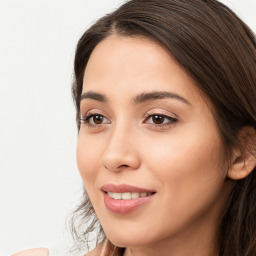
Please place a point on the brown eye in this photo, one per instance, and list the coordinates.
(156, 119)
(160, 120)
(97, 119)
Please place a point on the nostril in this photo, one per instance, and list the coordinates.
(123, 165)
(119, 162)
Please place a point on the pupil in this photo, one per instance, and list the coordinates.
(158, 119)
(97, 119)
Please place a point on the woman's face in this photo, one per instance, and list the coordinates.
(149, 151)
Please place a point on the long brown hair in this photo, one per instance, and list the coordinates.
(218, 51)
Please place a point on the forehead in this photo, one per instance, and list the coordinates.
(131, 65)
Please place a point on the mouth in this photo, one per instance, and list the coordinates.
(128, 195)
(124, 198)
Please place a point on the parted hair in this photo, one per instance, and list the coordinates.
(218, 50)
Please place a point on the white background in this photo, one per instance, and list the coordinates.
(39, 181)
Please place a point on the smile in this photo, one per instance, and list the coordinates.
(123, 199)
(127, 195)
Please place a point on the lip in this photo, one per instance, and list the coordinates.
(122, 188)
(125, 206)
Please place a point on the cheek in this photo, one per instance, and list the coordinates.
(88, 161)
(185, 164)
(189, 176)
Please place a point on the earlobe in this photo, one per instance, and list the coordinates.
(244, 159)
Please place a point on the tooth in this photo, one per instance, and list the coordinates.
(135, 195)
(110, 194)
(126, 195)
(143, 194)
(115, 195)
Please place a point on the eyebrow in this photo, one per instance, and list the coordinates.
(156, 95)
(141, 98)
(94, 96)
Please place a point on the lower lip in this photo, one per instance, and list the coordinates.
(125, 206)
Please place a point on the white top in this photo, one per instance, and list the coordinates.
(41, 252)
(33, 252)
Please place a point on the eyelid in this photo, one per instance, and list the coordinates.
(173, 119)
(85, 119)
(161, 112)
(93, 111)
(169, 118)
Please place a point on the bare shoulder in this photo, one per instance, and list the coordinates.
(33, 252)
(106, 248)
(96, 251)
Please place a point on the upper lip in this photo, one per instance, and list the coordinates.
(122, 188)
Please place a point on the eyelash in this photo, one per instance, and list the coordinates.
(171, 120)
(86, 120)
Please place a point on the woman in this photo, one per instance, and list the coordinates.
(165, 97)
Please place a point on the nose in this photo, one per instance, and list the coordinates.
(121, 152)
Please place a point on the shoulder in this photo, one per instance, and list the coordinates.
(106, 248)
(33, 252)
(96, 251)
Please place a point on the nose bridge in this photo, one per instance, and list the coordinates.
(120, 151)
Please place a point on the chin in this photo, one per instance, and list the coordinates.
(127, 240)
(131, 237)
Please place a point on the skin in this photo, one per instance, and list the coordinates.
(33, 252)
(180, 159)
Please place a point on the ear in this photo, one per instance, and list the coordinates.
(244, 159)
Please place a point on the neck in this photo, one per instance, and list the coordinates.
(200, 239)
(193, 246)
